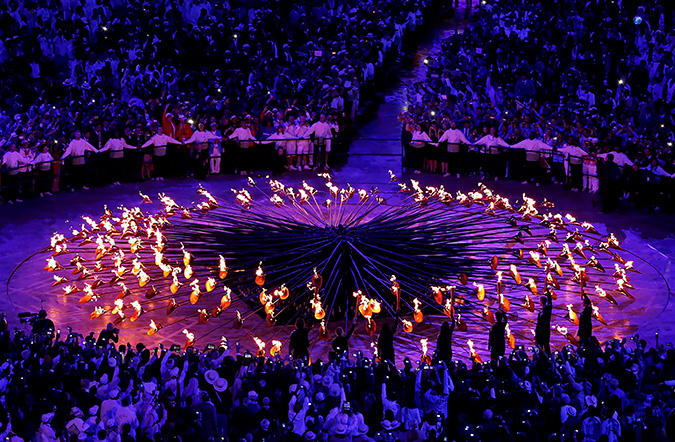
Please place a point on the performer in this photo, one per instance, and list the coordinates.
(244, 137)
(200, 151)
(291, 144)
(303, 132)
(496, 166)
(444, 341)
(322, 134)
(159, 142)
(216, 151)
(453, 137)
(116, 146)
(13, 160)
(340, 344)
(299, 341)
(77, 148)
(585, 325)
(43, 161)
(496, 343)
(385, 342)
(543, 329)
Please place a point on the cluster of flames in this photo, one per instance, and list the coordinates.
(128, 239)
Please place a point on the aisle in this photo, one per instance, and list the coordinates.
(370, 159)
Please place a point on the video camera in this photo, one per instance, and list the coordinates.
(28, 317)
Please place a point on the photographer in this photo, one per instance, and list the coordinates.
(108, 334)
(42, 326)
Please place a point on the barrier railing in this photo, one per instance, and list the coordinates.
(271, 156)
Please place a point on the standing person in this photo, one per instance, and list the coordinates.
(291, 144)
(497, 167)
(116, 146)
(444, 341)
(158, 143)
(322, 134)
(182, 156)
(385, 342)
(12, 160)
(280, 145)
(585, 325)
(200, 151)
(215, 148)
(303, 132)
(543, 330)
(496, 339)
(43, 163)
(76, 150)
(244, 137)
(299, 341)
(453, 137)
(340, 344)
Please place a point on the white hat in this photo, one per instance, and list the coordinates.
(211, 376)
(253, 395)
(220, 385)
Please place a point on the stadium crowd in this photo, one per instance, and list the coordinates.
(570, 91)
(89, 388)
(198, 71)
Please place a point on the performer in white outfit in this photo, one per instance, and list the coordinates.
(304, 146)
(116, 146)
(158, 143)
(322, 134)
(76, 150)
(454, 137)
(291, 144)
(43, 164)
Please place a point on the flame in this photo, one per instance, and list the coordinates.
(276, 347)
(222, 267)
(210, 284)
(424, 342)
(189, 336)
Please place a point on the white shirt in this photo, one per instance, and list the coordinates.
(242, 134)
(533, 145)
(568, 150)
(202, 136)
(43, 160)
(160, 140)
(620, 158)
(321, 130)
(116, 144)
(454, 136)
(418, 135)
(77, 148)
(13, 159)
(491, 140)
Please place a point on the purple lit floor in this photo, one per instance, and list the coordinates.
(26, 228)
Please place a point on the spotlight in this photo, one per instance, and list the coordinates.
(191, 121)
(637, 19)
(433, 113)
(426, 61)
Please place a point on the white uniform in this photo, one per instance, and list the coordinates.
(303, 132)
(453, 136)
(159, 141)
(77, 148)
(116, 147)
(291, 144)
